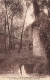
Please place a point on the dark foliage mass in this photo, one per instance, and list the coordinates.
(36, 8)
(8, 2)
(16, 8)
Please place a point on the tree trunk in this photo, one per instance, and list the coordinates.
(11, 34)
(5, 27)
(8, 32)
(20, 47)
(5, 35)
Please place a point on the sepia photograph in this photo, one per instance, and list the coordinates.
(24, 39)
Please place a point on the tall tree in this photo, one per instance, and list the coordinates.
(17, 9)
(27, 5)
(5, 25)
(7, 4)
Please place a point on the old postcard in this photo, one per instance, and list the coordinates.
(24, 39)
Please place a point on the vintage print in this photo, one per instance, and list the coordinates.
(24, 39)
